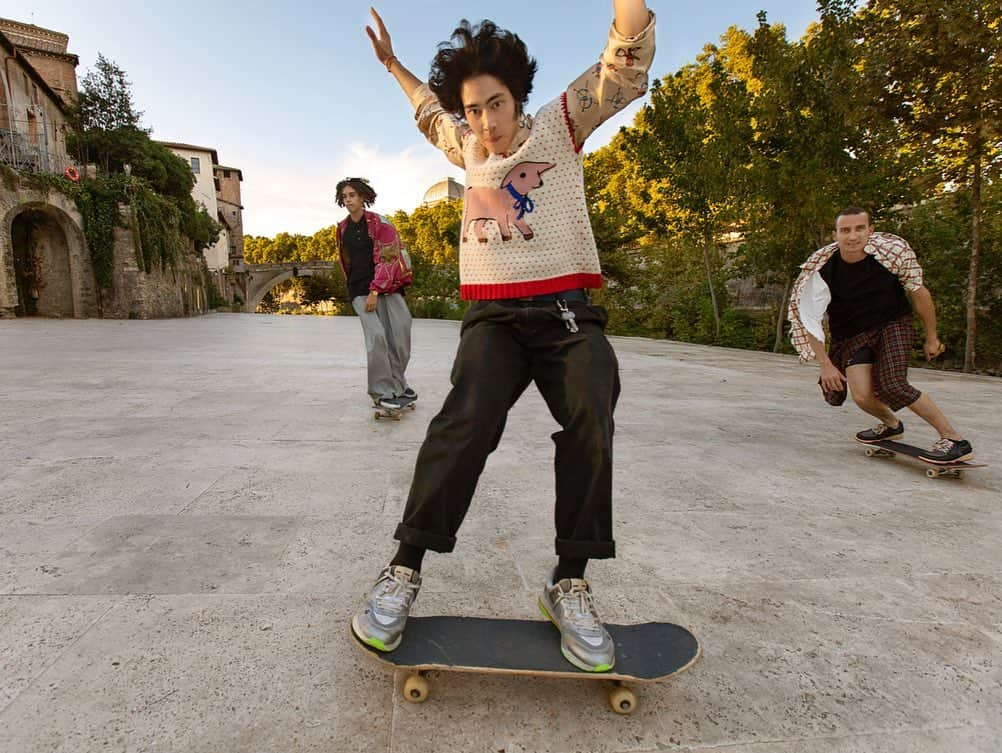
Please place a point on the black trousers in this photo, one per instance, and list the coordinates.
(505, 345)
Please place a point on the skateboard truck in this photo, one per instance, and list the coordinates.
(393, 414)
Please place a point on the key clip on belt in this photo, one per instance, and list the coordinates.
(567, 315)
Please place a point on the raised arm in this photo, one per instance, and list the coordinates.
(382, 45)
(619, 77)
(438, 126)
(632, 16)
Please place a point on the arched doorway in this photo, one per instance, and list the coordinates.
(41, 265)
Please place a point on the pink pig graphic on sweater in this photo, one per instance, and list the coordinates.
(507, 205)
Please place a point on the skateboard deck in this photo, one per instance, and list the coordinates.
(393, 414)
(644, 653)
(890, 448)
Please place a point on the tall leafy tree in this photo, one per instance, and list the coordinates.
(432, 232)
(612, 186)
(815, 146)
(431, 236)
(106, 122)
(690, 144)
(936, 71)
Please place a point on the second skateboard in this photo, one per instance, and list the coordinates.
(393, 414)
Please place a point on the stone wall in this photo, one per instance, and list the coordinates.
(49, 224)
(46, 269)
(176, 291)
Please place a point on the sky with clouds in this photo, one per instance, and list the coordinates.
(292, 95)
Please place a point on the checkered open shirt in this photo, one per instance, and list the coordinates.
(810, 297)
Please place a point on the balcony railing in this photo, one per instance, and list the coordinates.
(17, 151)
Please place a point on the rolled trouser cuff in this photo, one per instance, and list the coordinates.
(591, 550)
(424, 539)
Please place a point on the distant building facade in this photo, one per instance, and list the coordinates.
(230, 212)
(44, 264)
(47, 52)
(46, 268)
(203, 161)
(33, 114)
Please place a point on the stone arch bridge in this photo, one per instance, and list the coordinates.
(260, 278)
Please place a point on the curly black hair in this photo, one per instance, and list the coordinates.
(361, 185)
(477, 50)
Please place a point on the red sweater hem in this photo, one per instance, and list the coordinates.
(529, 288)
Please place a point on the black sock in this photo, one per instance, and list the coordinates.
(568, 567)
(408, 556)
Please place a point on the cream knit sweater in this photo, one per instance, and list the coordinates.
(525, 220)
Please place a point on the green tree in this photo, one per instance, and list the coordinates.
(105, 122)
(431, 236)
(107, 131)
(939, 230)
(322, 245)
(432, 232)
(105, 99)
(935, 67)
(815, 146)
(690, 147)
(284, 247)
(612, 181)
(166, 172)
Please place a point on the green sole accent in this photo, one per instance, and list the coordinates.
(377, 644)
(599, 668)
(539, 603)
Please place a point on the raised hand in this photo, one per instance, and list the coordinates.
(381, 43)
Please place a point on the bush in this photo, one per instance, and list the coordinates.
(436, 307)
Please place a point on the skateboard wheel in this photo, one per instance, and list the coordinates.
(622, 700)
(415, 689)
(932, 473)
(869, 452)
(378, 415)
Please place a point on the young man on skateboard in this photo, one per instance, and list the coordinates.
(386, 321)
(527, 257)
(860, 281)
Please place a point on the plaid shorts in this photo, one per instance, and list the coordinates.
(892, 345)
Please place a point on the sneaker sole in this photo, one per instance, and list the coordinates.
(893, 438)
(961, 459)
(567, 654)
(373, 642)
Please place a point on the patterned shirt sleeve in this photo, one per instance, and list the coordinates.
(618, 78)
(442, 129)
(898, 257)
(799, 296)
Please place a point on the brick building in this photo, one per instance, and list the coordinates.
(230, 211)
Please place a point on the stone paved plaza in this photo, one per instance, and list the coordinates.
(191, 509)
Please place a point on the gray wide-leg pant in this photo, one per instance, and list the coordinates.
(387, 332)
